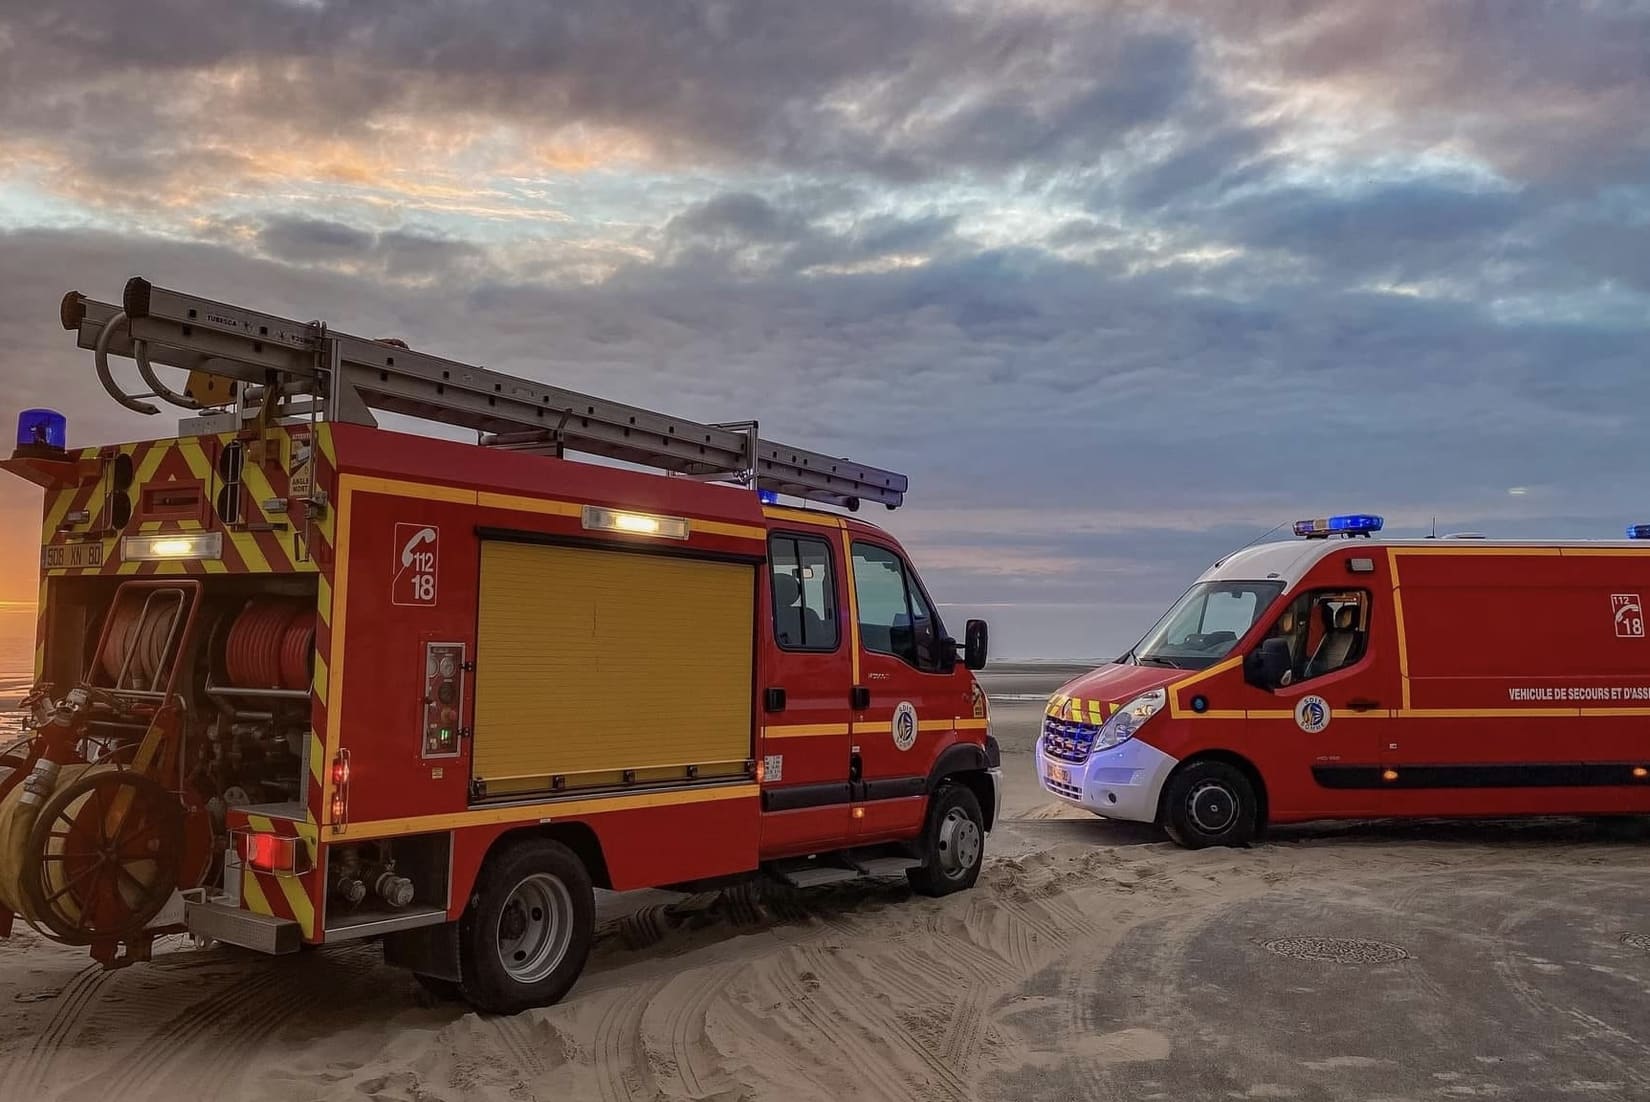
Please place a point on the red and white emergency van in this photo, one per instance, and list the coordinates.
(304, 680)
(1345, 676)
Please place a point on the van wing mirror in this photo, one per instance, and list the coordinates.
(1268, 665)
(976, 644)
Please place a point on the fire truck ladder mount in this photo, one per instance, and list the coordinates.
(283, 368)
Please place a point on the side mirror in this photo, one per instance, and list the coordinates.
(976, 644)
(1268, 665)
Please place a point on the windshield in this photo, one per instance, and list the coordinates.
(1205, 624)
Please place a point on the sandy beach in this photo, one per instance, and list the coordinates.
(1094, 960)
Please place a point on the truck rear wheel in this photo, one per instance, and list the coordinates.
(1210, 803)
(953, 843)
(526, 935)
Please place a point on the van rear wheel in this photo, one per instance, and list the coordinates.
(526, 935)
(1210, 803)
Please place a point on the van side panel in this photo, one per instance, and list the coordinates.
(1525, 693)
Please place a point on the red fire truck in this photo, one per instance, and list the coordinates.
(1355, 678)
(302, 679)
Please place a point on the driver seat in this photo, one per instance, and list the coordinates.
(1338, 645)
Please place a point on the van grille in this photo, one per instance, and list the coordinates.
(1066, 740)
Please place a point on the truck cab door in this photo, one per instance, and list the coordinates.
(1320, 733)
(908, 691)
(803, 694)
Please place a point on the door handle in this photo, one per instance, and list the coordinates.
(1359, 704)
(860, 698)
(774, 699)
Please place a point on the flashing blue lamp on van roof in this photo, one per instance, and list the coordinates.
(1349, 524)
(768, 497)
(42, 431)
(1638, 531)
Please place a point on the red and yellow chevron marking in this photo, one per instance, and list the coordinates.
(274, 894)
(1079, 710)
(261, 542)
(323, 531)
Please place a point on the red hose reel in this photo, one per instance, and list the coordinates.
(271, 645)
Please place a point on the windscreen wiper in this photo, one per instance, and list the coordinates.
(1158, 660)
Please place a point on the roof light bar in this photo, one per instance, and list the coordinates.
(1349, 524)
(171, 546)
(1638, 531)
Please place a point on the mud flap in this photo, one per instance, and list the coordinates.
(427, 950)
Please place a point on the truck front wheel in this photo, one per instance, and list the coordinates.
(1210, 803)
(526, 935)
(953, 842)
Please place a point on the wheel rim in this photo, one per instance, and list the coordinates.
(1212, 807)
(959, 843)
(535, 927)
(102, 857)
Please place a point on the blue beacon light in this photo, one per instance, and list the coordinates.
(42, 430)
(1349, 524)
(768, 497)
(1638, 531)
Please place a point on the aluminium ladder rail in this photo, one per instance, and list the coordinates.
(346, 377)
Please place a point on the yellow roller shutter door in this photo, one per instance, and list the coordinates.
(593, 662)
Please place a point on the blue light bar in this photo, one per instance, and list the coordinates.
(1351, 524)
(768, 497)
(1638, 531)
(42, 429)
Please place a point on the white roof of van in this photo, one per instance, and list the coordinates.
(1289, 561)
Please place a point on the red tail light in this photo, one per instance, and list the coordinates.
(272, 853)
(338, 806)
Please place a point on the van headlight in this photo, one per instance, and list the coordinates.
(1126, 721)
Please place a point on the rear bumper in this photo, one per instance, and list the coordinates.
(233, 926)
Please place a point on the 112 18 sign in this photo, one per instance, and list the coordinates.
(1629, 612)
(417, 559)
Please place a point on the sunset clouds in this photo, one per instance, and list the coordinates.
(1118, 284)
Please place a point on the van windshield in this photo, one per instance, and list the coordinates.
(1205, 624)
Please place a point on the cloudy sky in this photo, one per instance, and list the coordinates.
(1120, 285)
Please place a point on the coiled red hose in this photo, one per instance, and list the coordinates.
(253, 653)
(297, 647)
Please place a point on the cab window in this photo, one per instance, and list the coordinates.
(804, 593)
(895, 616)
(1326, 629)
(1205, 624)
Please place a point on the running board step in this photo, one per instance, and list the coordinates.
(886, 868)
(813, 874)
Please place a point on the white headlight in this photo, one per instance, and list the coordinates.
(1127, 720)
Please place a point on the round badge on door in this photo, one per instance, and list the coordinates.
(1312, 714)
(905, 725)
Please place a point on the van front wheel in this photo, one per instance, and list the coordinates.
(1210, 803)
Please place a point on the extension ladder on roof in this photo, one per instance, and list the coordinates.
(292, 368)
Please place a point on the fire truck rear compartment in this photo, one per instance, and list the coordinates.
(244, 679)
(603, 669)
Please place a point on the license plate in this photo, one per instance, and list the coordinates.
(71, 556)
(1059, 774)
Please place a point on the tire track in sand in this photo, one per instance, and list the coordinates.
(72, 1003)
(951, 1085)
(205, 1045)
(684, 1029)
(621, 1059)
